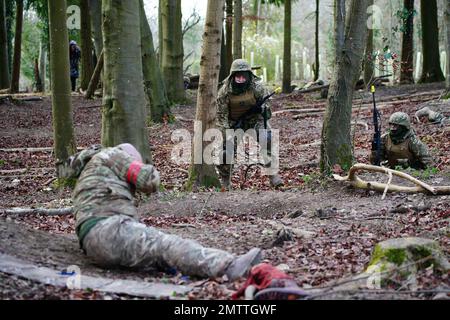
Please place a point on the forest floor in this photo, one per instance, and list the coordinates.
(336, 226)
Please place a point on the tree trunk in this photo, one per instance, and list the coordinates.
(15, 76)
(317, 63)
(172, 54)
(407, 66)
(4, 63)
(256, 12)
(153, 80)
(339, 29)
(223, 73)
(336, 140)
(93, 84)
(447, 25)
(160, 33)
(229, 34)
(64, 140)
(95, 9)
(43, 63)
(124, 102)
(204, 174)
(237, 31)
(37, 76)
(369, 63)
(10, 17)
(431, 68)
(287, 47)
(87, 60)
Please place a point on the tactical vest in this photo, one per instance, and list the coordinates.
(240, 104)
(395, 152)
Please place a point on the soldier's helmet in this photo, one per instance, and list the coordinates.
(401, 119)
(240, 65)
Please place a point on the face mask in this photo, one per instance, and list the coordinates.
(398, 134)
(242, 82)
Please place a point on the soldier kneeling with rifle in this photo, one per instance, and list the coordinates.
(241, 104)
(400, 146)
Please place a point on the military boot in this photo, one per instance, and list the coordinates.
(276, 181)
(241, 265)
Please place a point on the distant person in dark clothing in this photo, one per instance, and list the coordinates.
(75, 55)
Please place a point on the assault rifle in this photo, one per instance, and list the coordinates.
(376, 142)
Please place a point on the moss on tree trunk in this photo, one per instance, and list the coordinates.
(124, 101)
(172, 49)
(154, 83)
(64, 140)
(336, 145)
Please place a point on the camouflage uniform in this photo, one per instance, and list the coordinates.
(231, 105)
(107, 220)
(406, 150)
(432, 116)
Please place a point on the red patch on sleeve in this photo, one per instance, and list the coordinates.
(133, 171)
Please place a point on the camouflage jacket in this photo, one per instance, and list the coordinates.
(409, 152)
(106, 184)
(223, 120)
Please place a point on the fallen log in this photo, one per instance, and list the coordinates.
(44, 149)
(303, 113)
(358, 183)
(36, 211)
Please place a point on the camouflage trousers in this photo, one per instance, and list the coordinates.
(263, 138)
(122, 241)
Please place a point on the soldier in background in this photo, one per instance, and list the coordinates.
(107, 220)
(238, 95)
(75, 56)
(401, 147)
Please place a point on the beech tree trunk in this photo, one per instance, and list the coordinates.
(229, 34)
(63, 134)
(87, 60)
(336, 147)
(287, 47)
(431, 68)
(124, 101)
(317, 63)
(237, 30)
(15, 74)
(447, 26)
(153, 79)
(4, 61)
(95, 9)
(407, 66)
(204, 174)
(172, 49)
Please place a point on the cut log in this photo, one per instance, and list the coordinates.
(36, 211)
(44, 149)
